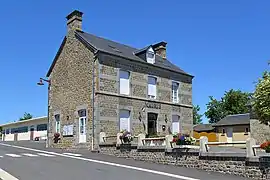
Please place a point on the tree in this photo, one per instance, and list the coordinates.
(26, 116)
(214, 110)
(197, 118)
(233, 102)
(261, 99)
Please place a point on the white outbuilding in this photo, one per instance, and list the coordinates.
(31, 129)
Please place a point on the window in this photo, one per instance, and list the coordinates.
(152, 87)
(7, 131)
(150, 55)
(42, 127)
(175, 87)
(57, 123)
(23, 129)
(246, 131)
(124, 82)
(124, 120)
(175, 124)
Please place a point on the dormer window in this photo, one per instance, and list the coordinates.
(150, 55)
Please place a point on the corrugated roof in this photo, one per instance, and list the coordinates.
(125, 51)
(236, 119)
(24, 121)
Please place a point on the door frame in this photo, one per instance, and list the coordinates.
(155, 123)
(82, 136)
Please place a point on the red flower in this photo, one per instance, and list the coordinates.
(265, 145)
(174, 140)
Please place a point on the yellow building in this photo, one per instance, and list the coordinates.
(233, 128)
(25, 130)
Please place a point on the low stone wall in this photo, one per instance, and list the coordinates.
(224, 164)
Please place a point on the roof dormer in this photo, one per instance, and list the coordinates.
(150, 55)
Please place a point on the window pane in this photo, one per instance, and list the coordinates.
(82, 113)
(42, 127)
(124, 86)
(152, 80)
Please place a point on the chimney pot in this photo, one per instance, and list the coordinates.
(74, 20)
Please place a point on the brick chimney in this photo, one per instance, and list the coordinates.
(160, 49)
(74, 20)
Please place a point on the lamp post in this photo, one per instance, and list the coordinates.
(40, 83)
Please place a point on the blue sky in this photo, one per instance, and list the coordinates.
(223, 44)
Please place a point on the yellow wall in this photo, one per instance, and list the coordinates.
(238, 133)
(212, 137)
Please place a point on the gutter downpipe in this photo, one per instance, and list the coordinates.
(93, 100)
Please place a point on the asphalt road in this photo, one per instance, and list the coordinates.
(32, 161)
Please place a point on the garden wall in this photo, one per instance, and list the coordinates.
(236, 165)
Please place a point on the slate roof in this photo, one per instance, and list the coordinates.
(115, 48)
(203, 127)
(236, 119)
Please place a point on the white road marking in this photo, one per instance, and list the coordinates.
(1, 156)
(13, 155)
(47, 155)
(30, 155)
(106, 163)
(6, 176)
(71, 154)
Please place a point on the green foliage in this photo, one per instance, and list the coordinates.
(214, 110)
(261, 104)
(233, 102)
(26, 116)
(197, 118)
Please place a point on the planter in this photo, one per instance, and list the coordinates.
(267, 150)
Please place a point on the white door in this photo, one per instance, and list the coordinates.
(175, 124)
(124, 120)
(229, 134)
(82, 129)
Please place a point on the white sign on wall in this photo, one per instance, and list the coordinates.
(68, 130)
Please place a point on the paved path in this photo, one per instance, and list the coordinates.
(32, 161)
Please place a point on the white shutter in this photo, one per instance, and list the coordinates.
(124, 82)
(124, 120)
(175, 124)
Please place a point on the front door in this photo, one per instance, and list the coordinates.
(152, 123)
(82, 129)
(229, 134)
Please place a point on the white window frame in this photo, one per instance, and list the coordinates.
(151, 96)
(175, 99)
(123, 80)
(128, 120)
(150, 60)
(57, 125)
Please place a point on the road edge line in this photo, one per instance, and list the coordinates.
(106, 163)
(6, 176)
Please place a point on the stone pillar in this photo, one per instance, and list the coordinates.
(203, 142)
(140, 137)
(168, 140)
(101, 137)
(118, 140)
(250, 142)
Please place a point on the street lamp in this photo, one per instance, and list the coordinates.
(40, 83)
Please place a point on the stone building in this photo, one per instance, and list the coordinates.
(98, 85)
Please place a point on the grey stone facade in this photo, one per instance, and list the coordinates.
(76, 72)
(260, 132)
